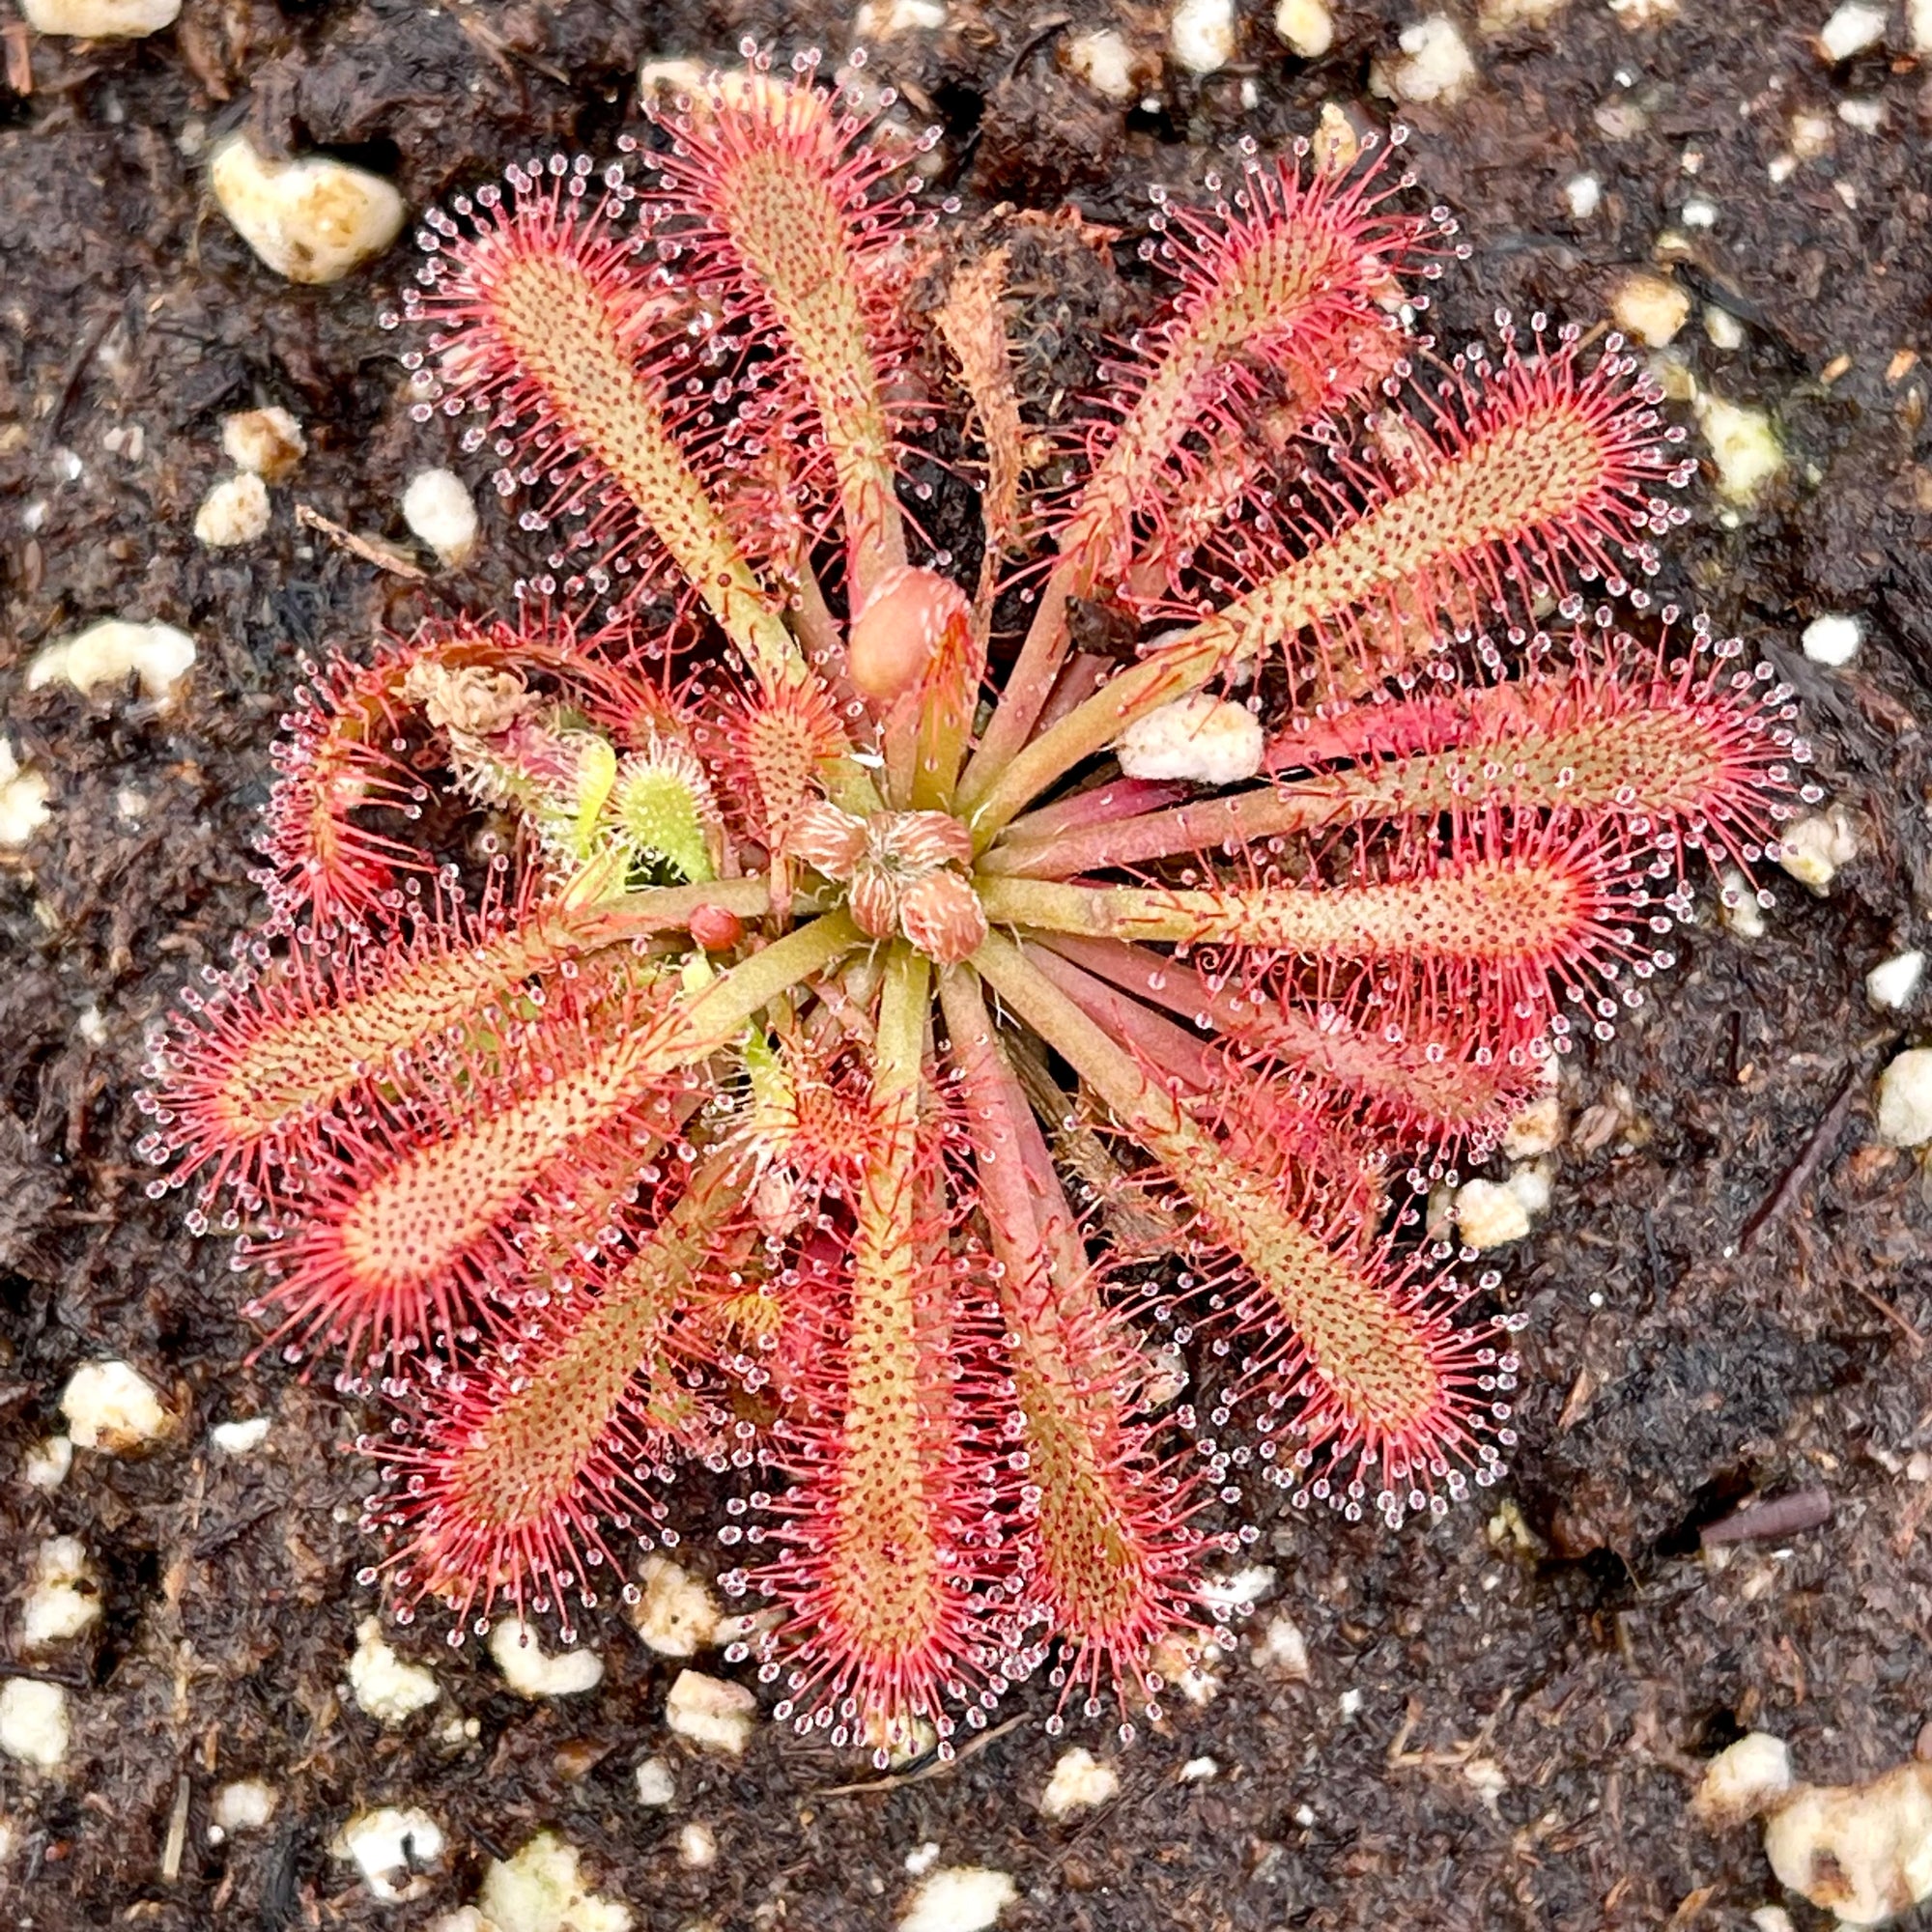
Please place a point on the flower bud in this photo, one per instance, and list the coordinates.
(717, 928)
(941, 916)
(874, 901)
(826, 839)
(897, 635)
(916, 840)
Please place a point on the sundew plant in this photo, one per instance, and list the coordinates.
(892, 1036)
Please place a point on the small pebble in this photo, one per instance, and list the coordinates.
(1832, 639)
(1919, 24)
(1501, 16)
(657, 1783)
(1737, 905)
(1490, 1214)
(33, 1722)
(1436, 64)
(45, 1466)
(1199, 1771)
(312, 220)
(441, 512)
(112, 1405)
(1905, 1099)
(921, 1858)
(1104, 60)
(100, 20)
(1653, 308)
(1867, 116)
(384, 1844)
(1305, 27)
(675, 1615)
(532, 1672)
(1744, 446)
(382, 1682)
(541, 1889)
(104, 653)
(65, 1599)
(1741, 1780)
(1209, 739)
(1240, 1592)
(239, 1438)
(1283, 1649)
(245, 1806)
(1816, 848)
(1080, 1782)
(1891, 982)
(235, 511)
(1186, 1659)
(712, 1714)
(1850, 31)
(24, 800)
(1582, 195)
(886, 19)
(959, 1898)
(1861, 1851)
(1202, 34)
(1535, 1131)
(697, 1847)
(1771, 1919)
(1724, 329)
(267, 443)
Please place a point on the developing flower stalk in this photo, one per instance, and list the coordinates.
(727, 1113)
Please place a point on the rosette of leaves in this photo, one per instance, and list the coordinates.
(880, 1044)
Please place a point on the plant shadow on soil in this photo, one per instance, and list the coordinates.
(1525, 1702)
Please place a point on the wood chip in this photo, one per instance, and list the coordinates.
(371, 550)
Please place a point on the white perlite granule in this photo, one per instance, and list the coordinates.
(33, 1722)
(959, 1898)
(1832, 639)
(112, 1405)
(1202, 35)
(384, 1686)
(533, 1673)
(1851, 30)
(104, 653)
(1209, 739)
(235, 511)
(267, 442)
(312, 220)
(438, 507)
(100, 20)
(712, 1714)
(1080, 1782)
(1436, 64)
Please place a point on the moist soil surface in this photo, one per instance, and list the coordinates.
(1503, 1713)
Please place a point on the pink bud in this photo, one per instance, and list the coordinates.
(826, 839)
(942, 916)
(874, 901)
(913, 841)
(716, 928)
(897, 636)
